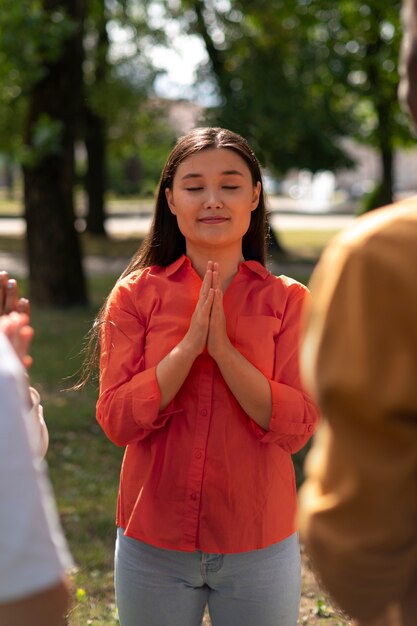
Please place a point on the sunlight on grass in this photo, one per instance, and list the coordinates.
(306, 243)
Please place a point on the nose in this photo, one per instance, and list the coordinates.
(212, 200)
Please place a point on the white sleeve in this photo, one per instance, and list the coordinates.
(33, 551)
(41, 438)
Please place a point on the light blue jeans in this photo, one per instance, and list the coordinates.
(157, 587)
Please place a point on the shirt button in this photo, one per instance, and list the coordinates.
(310, 428)
(193, 496)
(198, 454)
(204, 412)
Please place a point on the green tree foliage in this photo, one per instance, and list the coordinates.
(363, 39)
(121, 120)
(29, 39)
(273, 80)
(40, 89)
(56, 274)
(296, 76)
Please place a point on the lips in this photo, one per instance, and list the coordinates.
(213, 220)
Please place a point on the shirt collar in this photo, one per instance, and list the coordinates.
(176, 265)
(253, 266)
(256, 268)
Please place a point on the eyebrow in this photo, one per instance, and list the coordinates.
(225, 173)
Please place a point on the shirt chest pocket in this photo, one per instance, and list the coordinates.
(255, 339)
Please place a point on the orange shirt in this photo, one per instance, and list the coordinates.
(201, 474)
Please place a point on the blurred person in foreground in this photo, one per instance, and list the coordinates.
(358, 511)
(9, 302)
(33, 554)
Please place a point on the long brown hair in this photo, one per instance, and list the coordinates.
(164, 242)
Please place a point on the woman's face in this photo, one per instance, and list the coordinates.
(212, 197)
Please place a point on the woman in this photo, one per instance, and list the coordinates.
(199, 380)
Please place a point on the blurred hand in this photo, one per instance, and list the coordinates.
(9, 296)
(16, 328)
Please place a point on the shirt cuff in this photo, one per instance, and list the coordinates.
(288, 415)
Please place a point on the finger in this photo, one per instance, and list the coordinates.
(206, 306)
(217, 302)
(4, 277)
(23, 306)
(20, 337)
(26, 334)
(10, 303)
(207, 284)
(210, 299)
(26, 337)
(27, 361)
(216, 280)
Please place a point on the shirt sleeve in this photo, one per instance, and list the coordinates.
(33, 552)
(129, 398)
(294, 415)
(358, 512)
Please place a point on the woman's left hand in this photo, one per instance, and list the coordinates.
(218, 342)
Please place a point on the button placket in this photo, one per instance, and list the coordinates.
(195, 477)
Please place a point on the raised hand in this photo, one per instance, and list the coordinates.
(9, 296)
(218, 341)
(172, 371)
(196, 338)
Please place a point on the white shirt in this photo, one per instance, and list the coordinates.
(33, 551)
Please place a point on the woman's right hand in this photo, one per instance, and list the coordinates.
(195, 339)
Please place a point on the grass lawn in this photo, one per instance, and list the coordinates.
(84, 466)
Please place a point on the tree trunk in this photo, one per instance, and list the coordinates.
(384, 192)
(95, 143)
(95, 133)
(9, 178)
(56, 275)
(387, 183)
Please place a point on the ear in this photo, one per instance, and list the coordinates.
(256, 195)
(170, 200)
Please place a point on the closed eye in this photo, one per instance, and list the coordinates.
(193, 188)
(230, 186)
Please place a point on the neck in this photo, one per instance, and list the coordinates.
(228, 261)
